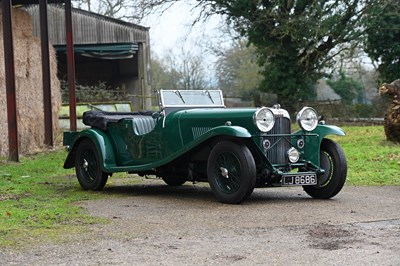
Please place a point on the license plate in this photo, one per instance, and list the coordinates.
(297, 179)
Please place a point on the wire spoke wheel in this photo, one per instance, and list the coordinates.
(326, 163)
(227, 172)
(87, 167)
(231, 172)
(333, 161)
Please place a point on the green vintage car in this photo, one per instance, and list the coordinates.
(195, 138)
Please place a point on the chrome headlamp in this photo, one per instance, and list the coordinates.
(293, 155)
(264, 119)
(307, 119)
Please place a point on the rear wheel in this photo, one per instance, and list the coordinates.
(173, 181)
(333, 161)
(87, 167)
(231, 172)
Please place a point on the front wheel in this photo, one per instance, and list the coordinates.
(231, 172)
(333, 161)
(87, 167)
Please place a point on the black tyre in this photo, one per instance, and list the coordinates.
(173, 181)
(333, 160)
(231, 172)
(87, 167)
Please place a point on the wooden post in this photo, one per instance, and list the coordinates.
(10, 82)
(47, 106)
(71, 65)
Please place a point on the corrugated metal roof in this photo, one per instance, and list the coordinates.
(31, 2)
(88, 27)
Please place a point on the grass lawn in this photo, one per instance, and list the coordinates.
(36, 197)
(371, 159)
(37, 194)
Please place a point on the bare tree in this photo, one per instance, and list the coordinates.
(179, 71)
(192, 71)
(133, 11)
(237, 70)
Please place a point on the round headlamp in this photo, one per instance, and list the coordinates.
(264, 119)
(307, 119)
(293, 155)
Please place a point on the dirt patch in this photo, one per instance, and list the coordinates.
(330, 237)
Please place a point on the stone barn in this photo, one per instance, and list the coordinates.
(105, 49)
(29, 90)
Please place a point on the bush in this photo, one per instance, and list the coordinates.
(99, 92)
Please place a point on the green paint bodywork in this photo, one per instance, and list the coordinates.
(101, 141)
(122, 149)
(313, 141)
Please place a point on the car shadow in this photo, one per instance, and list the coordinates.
(201, 192)
(187, 191)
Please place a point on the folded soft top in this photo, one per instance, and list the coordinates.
(100, 119)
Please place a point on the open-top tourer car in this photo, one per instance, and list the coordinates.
(193, 137)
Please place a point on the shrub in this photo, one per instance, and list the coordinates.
(99, 92)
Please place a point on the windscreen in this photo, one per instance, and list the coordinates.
(195, 98)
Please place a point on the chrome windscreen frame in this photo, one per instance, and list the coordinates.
(170, 100)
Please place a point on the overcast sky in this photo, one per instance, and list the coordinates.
(173, 28)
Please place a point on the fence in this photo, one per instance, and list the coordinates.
(332, 110)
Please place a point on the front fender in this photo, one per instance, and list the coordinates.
(103, 145)
(325, 130)
(233, 131)
(314, 139)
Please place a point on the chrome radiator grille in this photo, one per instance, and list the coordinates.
(279, 145)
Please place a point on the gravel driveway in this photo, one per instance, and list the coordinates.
(153, 224)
